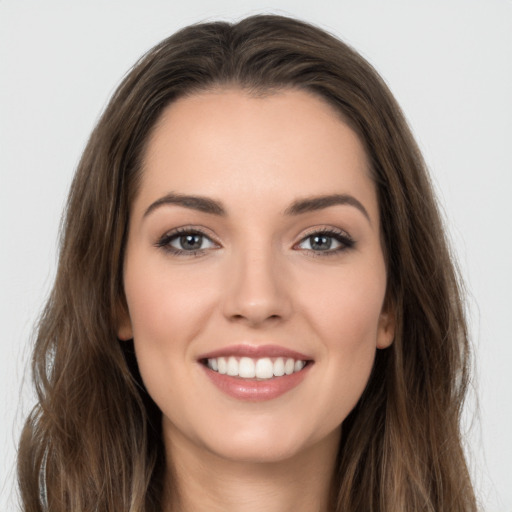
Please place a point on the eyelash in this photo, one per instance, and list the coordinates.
(344, 239)
(165, 241)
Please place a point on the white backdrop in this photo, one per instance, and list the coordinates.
(449, 63)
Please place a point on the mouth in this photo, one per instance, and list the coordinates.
(258, 369)
(255, 373)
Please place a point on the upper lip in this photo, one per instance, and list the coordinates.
(255, 352)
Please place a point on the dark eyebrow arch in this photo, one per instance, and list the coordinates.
(202, 204)
(213, 207)
(310, 204)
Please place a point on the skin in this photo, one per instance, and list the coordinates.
(256, 281)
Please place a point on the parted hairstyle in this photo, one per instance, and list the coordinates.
(93, 440)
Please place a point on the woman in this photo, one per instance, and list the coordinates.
(255, 306)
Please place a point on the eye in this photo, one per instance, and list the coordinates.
(185, 241)
(327, 242)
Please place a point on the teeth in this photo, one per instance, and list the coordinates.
(223, 365)
(264, 368)
(279, 367)
(232, 367)
(248, 368)
(298, 366)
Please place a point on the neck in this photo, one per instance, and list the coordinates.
(201, 481)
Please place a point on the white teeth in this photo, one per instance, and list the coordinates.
(264, 368)
(232, 367)
(223, 365)
(279, 367)
(298, 366)
(248, 368)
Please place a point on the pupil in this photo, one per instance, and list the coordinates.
(191, 241)
(321, 242)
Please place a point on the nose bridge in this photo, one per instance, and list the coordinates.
(256, 288)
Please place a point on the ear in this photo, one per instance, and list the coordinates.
(123, 323)
(386, 328)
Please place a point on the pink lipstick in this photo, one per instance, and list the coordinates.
(255, 373)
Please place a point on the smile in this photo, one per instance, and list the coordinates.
(255, 373)
(248, 368)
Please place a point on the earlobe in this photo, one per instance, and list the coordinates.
(124, 325)
(386, 333)
(124, 332)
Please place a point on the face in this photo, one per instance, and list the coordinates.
(254, 273)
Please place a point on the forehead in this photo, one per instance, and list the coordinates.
(275, 147)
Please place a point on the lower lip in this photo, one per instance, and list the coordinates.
(256, 390)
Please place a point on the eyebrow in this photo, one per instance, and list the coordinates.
(298, 207)
(310, 204)
(202, 204)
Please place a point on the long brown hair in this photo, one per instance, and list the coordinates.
(93, 441)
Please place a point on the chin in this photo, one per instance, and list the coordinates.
(266, 445)
(258, 453)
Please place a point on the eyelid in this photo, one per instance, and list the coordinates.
(163, 241)
(325, 229)
(341, 236)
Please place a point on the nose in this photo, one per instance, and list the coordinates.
(257, 289)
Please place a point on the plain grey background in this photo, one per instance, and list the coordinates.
(449, 63)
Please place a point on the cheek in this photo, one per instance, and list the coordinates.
(344, 313)
(167, 311)
(344, 306)
(165, 306)
(169, 307)
(348, 326)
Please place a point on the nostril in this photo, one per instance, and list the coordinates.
(255, 319)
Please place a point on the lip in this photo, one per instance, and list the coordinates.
(255, 352)
(255, 390)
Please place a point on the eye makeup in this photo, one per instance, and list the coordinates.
(189, 241)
